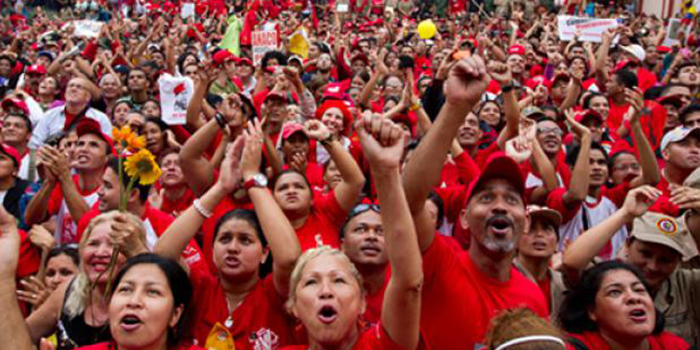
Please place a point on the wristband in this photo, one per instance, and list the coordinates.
(200, 209)
(507, 88)
(220, 120)
(327, 140)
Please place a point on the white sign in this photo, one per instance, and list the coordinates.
(187, 10)
(175, 95)
(263, 41)
(590, 29)
(87, 28)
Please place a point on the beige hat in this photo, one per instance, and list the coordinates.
(546, 213)
(665, 230)
(693, 180)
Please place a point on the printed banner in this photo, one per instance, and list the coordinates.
(263, 41)
(175, 95)
(87, 28)
(591, 29)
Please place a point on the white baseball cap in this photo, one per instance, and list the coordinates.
(636, 51)
(678, 134)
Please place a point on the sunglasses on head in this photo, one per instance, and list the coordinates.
(361, 208)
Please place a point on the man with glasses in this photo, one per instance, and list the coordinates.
(62, 118)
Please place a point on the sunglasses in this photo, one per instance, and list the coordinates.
(361, 208)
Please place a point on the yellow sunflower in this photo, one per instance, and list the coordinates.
(142, 165)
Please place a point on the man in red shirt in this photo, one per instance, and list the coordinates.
(74, 195)
(464, 290)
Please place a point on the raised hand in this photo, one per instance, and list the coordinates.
(685, 197)
(230, 174)
(466, 82)
(576, 127)
(252, 152)
(639, 200)
(316, 130)
(9, 245)
(500, 72)
(382, 141)
(128, 236)
(41, 237)
(34, 291)
(636, 100)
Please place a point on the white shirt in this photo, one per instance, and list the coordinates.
(54, 119)
(597, 212)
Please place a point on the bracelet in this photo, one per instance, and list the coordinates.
(200, 209)
(507, 88)
(415, 107)
(220, 120)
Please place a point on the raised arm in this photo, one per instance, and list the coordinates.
(501, 73)
(651, 174)
(13, 331)
(348, 190)
(466, 82)
(382, 144)
(182, 230)
(580, 176)
(601, 61)
(280, 235)
(591, 242)
(59, 167)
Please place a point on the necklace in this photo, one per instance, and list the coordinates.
(229, 321)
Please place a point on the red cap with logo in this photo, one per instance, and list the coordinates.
(91, 126)
(516, 50)
(12, 153)
(36, 69)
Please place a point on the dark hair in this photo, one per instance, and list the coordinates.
(433, 197)
(572, 155)
(113, 163)
(179, 284)
(270, 55)
(251, 218)
(24, 117)
(590, 97)
(290, 171)
(626, 78)
(213, 99)
(122, 101)
(685, 112)
(683, 65)
(69, 250)
(182, 58)
(357, 210)
(573, 315)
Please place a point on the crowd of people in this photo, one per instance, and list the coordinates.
(392, 174)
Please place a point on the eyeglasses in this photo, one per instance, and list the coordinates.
(361, 208)
(552, 130)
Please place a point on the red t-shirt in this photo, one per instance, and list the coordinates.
(663, 203)
(546, 288)
(110, 346)
(178, 206)
(259, 322)
(29, 256)
(65, 223)
(459, 300)
(662, 341)
(375, 301)
(374, 338)
(323, 224)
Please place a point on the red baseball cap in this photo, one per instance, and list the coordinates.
(516, 50)
(533, 82)
(245, 60)
(286, 97)
(290, 129)
(15, 102)
(36, 69)
(223, 56)
(91, 126)
(12, 153)
(589, 113)
(499, 166)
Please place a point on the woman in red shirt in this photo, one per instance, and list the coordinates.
(326, 291)
(238, 305)
(317, 220)
(611, 308)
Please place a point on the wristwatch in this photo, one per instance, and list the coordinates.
(257, 180)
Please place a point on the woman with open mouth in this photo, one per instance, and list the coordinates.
(611, 308)
(240, 304)
(326, 292)
(77, 309)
